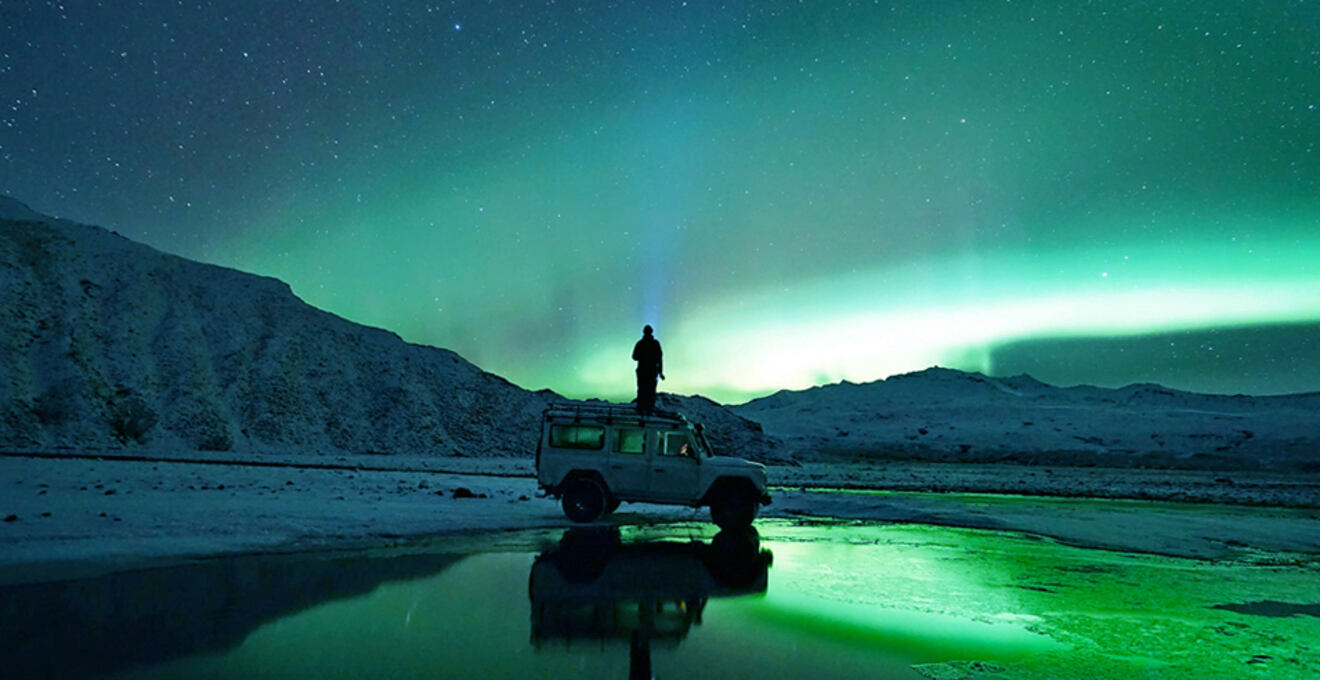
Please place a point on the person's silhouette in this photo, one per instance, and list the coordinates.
(650, 364)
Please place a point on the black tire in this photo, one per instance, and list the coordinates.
(612, 505)
(734, 508)
(583, 500)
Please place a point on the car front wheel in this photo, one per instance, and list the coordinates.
(583, 500)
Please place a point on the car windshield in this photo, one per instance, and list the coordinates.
(703, 446)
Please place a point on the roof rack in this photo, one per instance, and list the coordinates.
(606, 412)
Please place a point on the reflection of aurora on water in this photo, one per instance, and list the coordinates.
(790, 192)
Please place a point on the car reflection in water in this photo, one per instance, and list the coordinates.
(592, 586)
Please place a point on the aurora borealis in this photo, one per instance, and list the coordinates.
(792, 193)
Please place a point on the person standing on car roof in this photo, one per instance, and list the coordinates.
(650, 364)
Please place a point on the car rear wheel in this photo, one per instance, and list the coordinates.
(583, 500)
(735, 508)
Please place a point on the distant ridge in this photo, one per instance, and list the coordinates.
(951, 382)
(950, 415)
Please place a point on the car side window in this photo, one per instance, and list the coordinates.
(577, 436)
(676, 444)
(629, 440)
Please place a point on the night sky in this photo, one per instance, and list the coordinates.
(792, 193)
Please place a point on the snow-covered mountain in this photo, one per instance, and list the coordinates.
(106, 342)
(944, 414)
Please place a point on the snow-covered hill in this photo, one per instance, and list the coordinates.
(105, 342)
(944, 414)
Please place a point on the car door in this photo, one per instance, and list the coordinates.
(629, 471)
(674, 467)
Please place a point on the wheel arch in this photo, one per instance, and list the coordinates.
(579, 473)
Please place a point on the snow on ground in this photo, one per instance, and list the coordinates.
(72, 517)
(1195, 486)
(65, 514)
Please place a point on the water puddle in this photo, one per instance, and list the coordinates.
(1272, 608)
(830, 600)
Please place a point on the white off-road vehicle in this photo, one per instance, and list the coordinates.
(594, 456)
